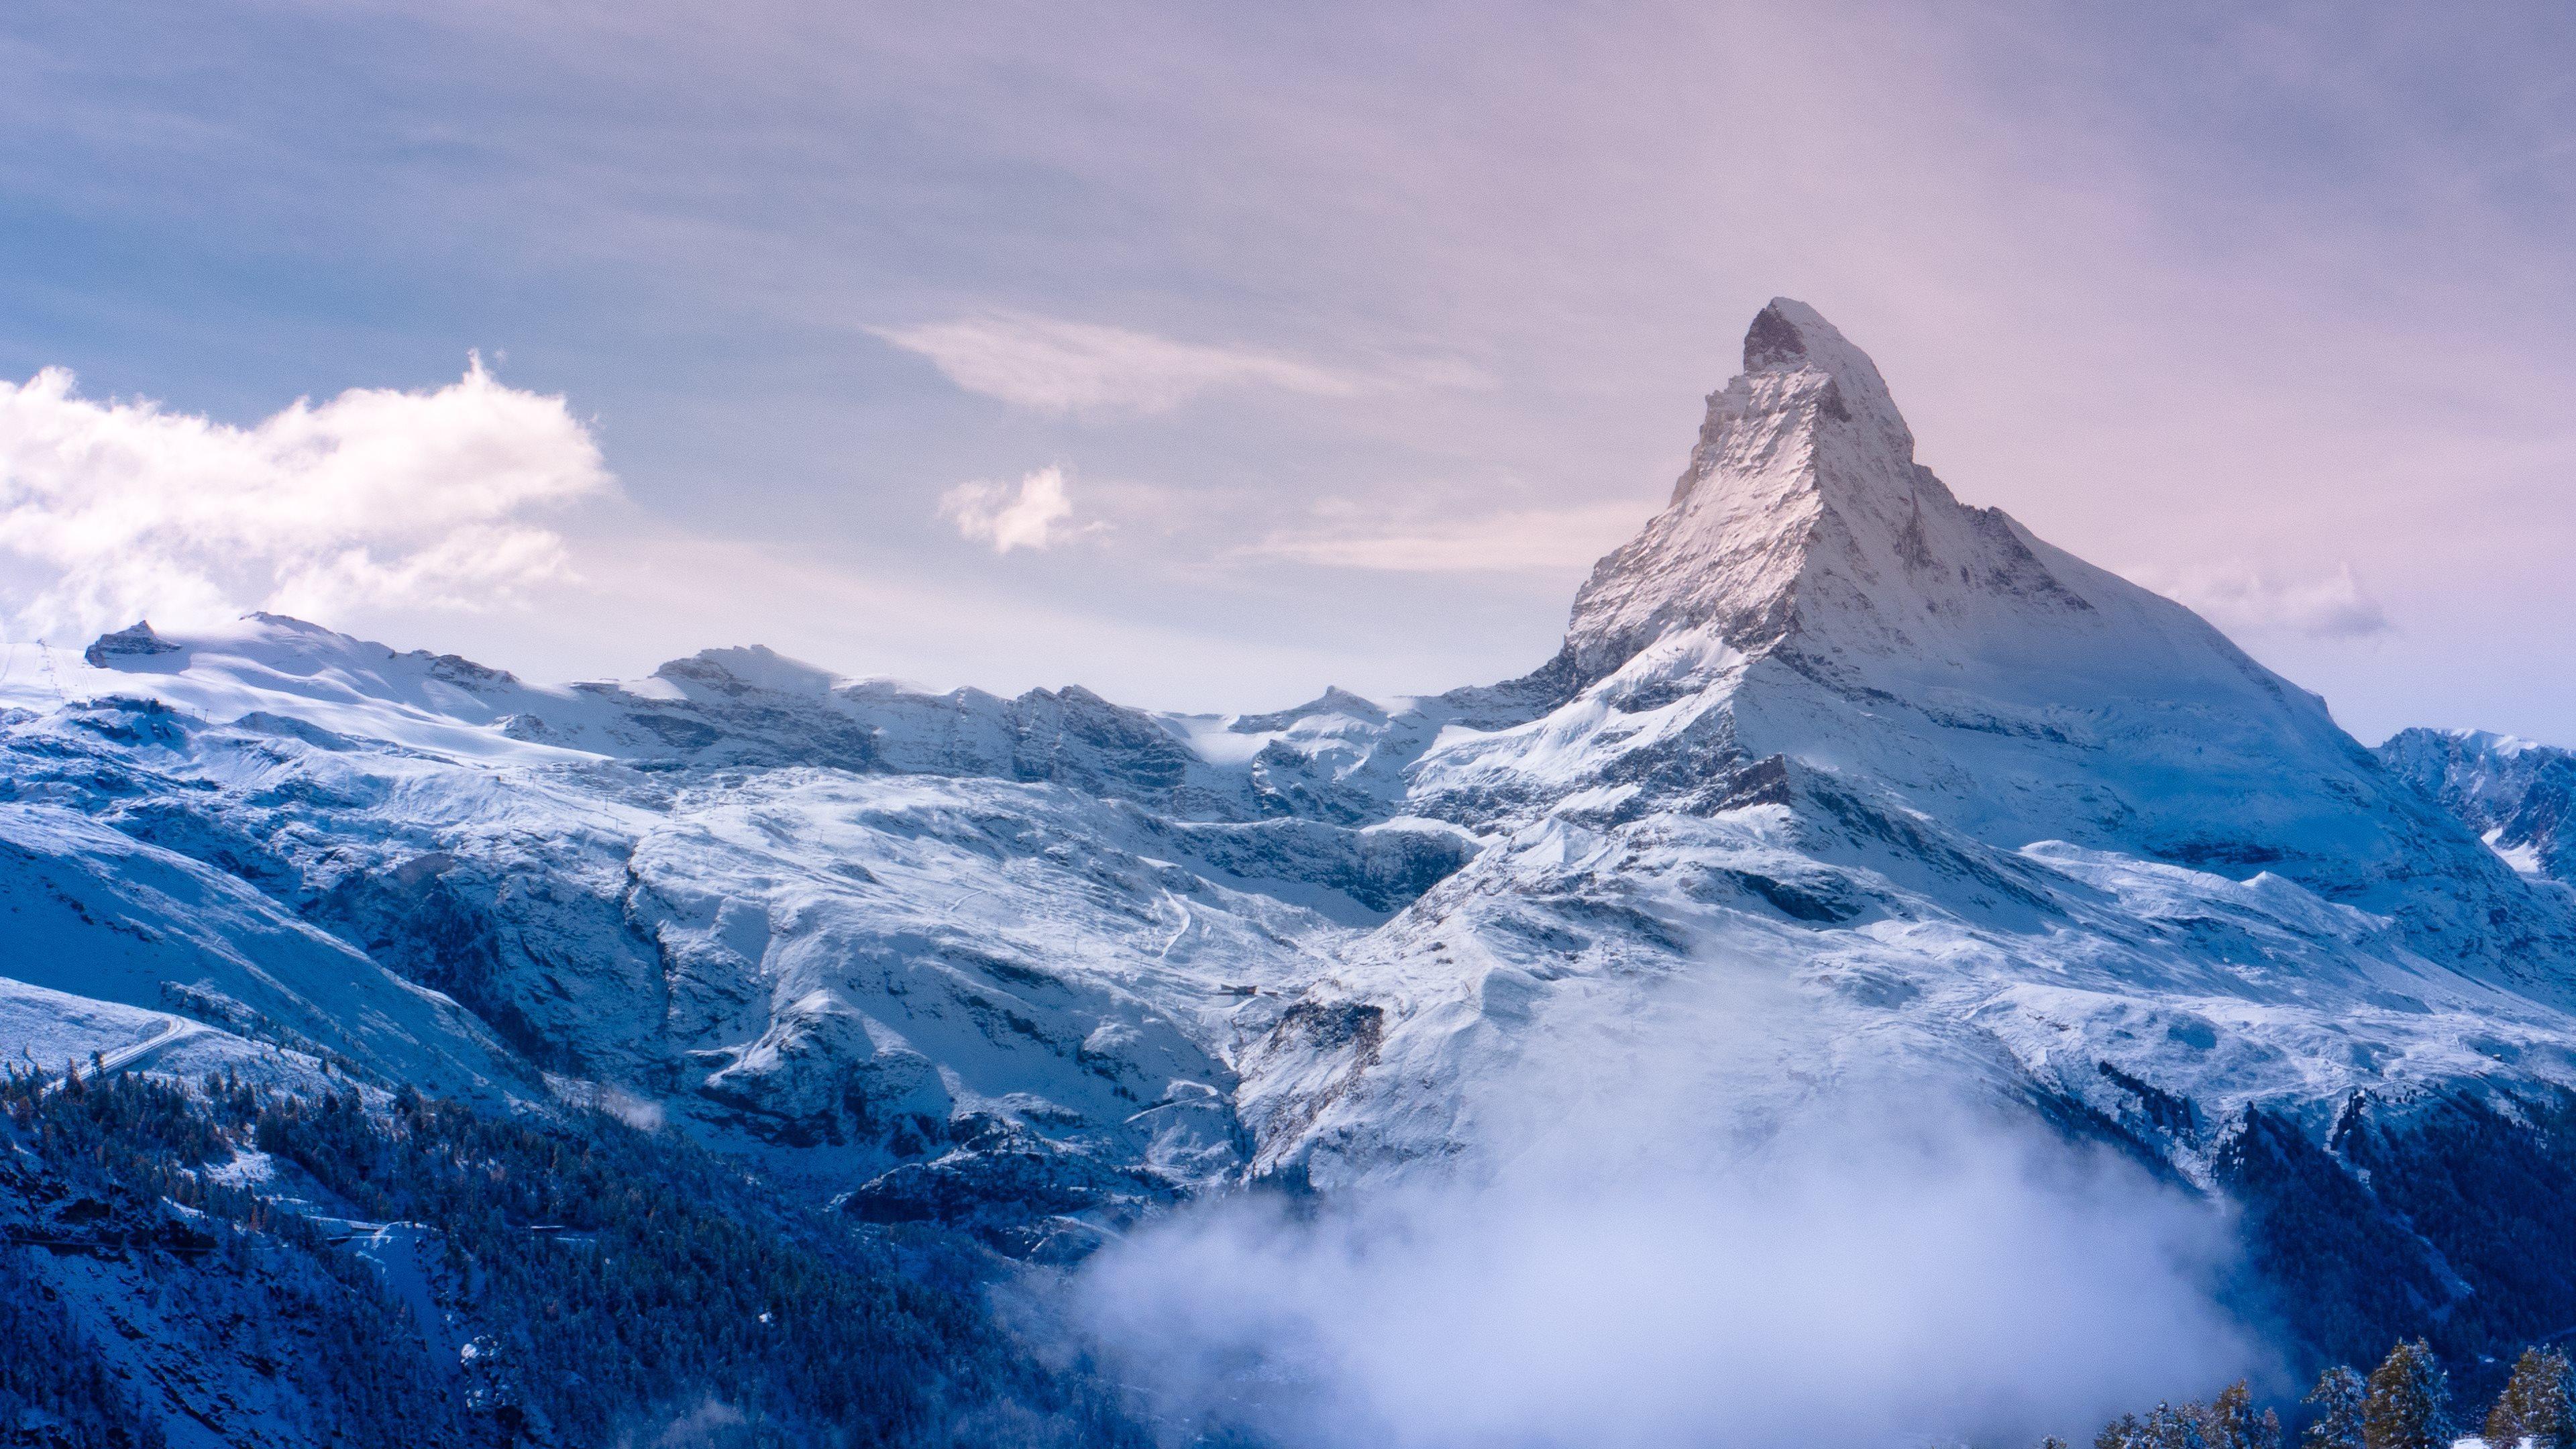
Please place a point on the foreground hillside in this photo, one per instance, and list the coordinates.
(227, 1266)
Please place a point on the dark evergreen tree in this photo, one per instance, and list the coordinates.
(2409, 1405)
(2534, 1407)
(2340, 1398)
(614, 1285)
(55, 1388)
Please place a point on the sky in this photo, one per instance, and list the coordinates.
(1209, 355)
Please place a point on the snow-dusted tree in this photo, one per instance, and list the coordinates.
(2233, 1424)
(2186, 1427)
(2409, 1406)
(2340, 1396)
(2124, 1432)
(2535, 1405)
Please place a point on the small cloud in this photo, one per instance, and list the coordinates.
(1031, 515)
(1529, 540)
(2249, 601)
(377, 497)
(1053, 366)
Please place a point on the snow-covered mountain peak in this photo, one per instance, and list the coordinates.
(1799, 436)
(1817, 622)
(1789, 338)
(1803, 522)
(1804, 528)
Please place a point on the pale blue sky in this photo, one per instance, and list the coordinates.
(1352, 330)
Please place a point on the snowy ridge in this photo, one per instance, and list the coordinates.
(943, 949)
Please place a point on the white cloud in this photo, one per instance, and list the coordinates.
(117, 510)
(1031, 515)
(1528, 540)
(2250, 601)
(1684, 1219)
(1054, 366)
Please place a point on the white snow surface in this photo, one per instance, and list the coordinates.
(1971, 801)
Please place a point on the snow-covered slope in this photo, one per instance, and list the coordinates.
(942, 950)
(92, 910)
(1947, 795)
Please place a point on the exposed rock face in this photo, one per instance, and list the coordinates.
(136, 641)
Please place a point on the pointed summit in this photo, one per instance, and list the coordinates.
(1789, 337)
(1803, 524)
(1814, 604)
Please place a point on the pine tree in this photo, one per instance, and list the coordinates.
(2409, 1401)
(2124, 1432)
(2534, 1406)
(2340, 1397)
(2178, 1428)
(2231, 1418)
(2233, 1424)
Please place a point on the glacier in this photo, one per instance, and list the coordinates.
(1039, 967)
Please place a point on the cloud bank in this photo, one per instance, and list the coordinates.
(115, 511)
(2250, 601)
(1647, 1245)
(1053, 366)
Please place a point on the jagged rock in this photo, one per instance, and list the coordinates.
(135, 641)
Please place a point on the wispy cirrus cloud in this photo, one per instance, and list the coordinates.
(1523, 540)
(1050, 365)
(378, 497)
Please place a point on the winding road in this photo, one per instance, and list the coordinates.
(174, 1029)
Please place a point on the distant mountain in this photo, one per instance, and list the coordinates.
(2520, 797)
(1029, 968)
